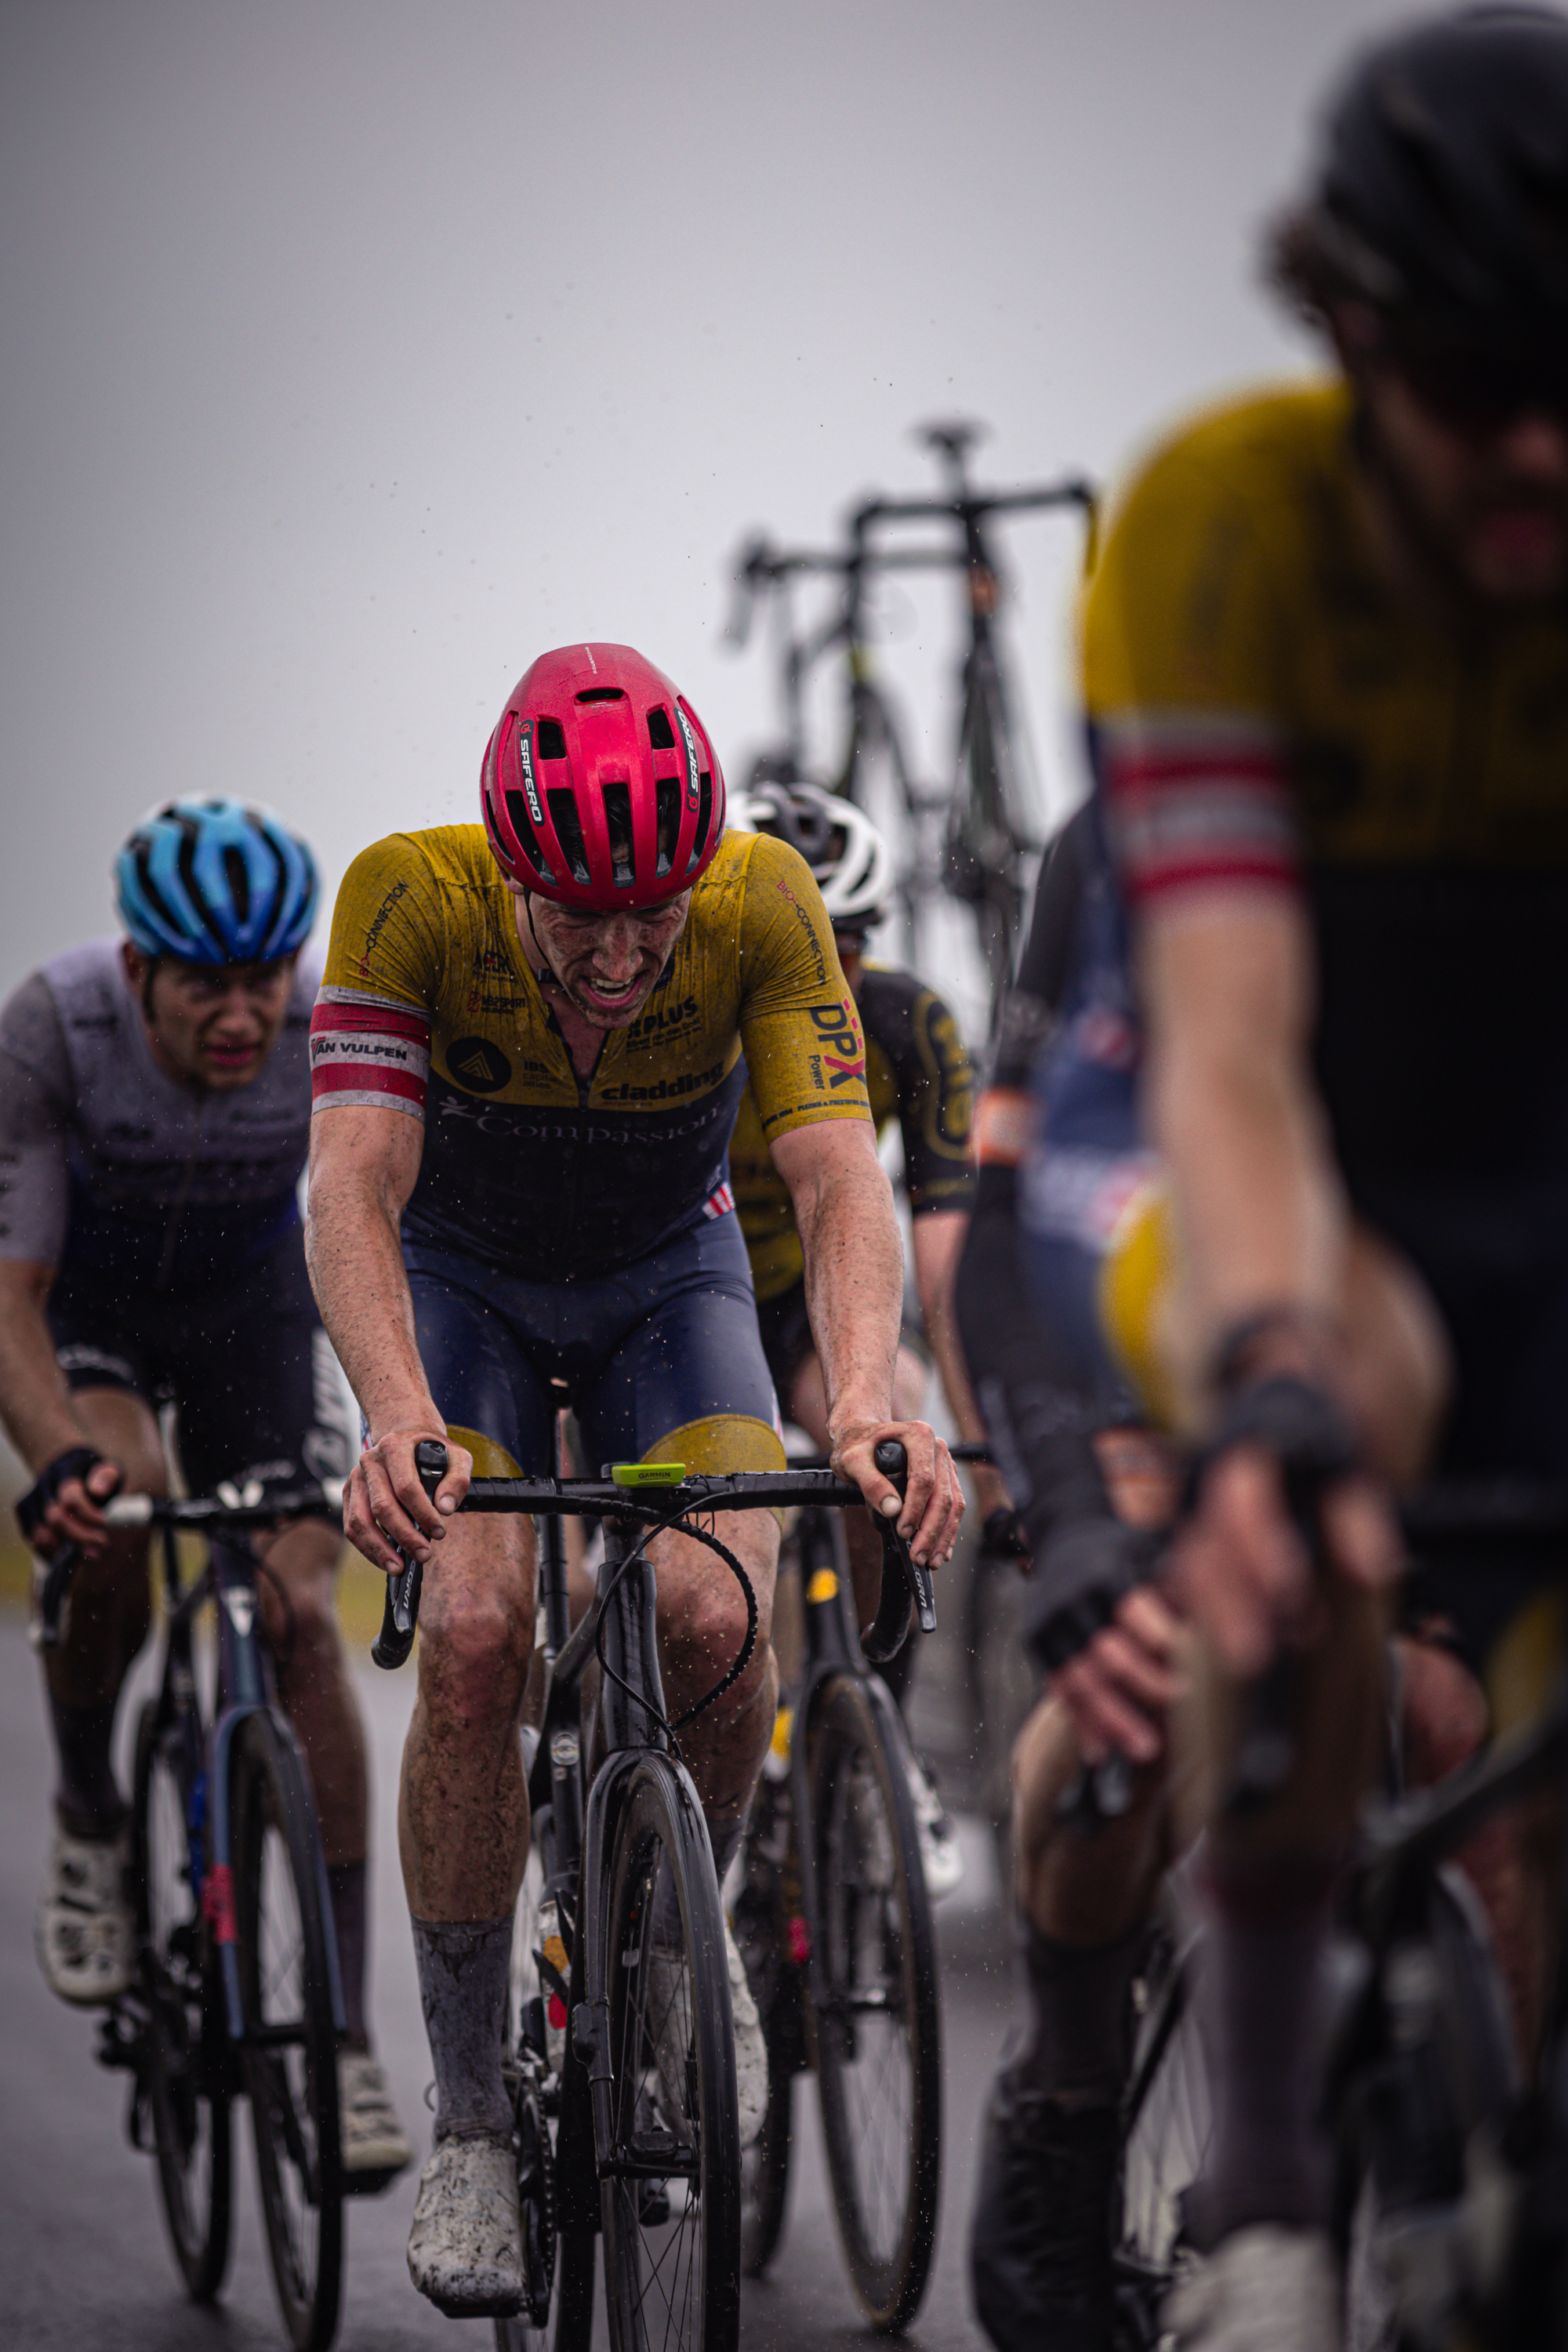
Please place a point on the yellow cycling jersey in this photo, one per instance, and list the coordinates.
(1263, 695)
(1270, 708)
(429, 1006)
(917, 1072)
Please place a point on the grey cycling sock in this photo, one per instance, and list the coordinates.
(1074, 2039)
(1262, 2010)
(87, 1800)
(349, 1883)
(465, 1972)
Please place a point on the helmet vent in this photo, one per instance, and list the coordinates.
(667, 794)
(550, 740)
(238, 873)
(618, 825)
(516, 809)
(660, 733)
(603, 694)
(155, 897)
(704, 817)
(568, 826)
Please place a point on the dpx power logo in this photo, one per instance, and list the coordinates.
(842, 1055)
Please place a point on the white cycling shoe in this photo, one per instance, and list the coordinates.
(375, 2147)
(465, 2249)
(1265, 2288)
(669, 2020)
(86, 1932)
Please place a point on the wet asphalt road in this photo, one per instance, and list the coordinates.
(83, 2263)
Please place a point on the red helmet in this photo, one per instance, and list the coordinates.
(599, 786)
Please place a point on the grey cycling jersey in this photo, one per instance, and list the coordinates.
(109, 1167)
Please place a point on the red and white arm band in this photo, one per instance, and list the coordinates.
(1198, 801)
(368, 1049)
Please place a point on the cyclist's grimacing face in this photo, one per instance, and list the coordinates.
(211, 1026)
(1492, 491)
(607, 964)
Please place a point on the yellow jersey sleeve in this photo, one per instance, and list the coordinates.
(800, 1031)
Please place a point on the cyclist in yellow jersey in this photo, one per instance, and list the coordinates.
(1324, 660)
(527, 1052)
(918, 1073)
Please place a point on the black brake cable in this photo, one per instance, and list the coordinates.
(742, 1658)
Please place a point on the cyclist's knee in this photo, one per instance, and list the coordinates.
(120, 1426)
(911, 1378)
(1442, 1711)
(475, 1648)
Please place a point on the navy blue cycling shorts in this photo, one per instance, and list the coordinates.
(662, 1357)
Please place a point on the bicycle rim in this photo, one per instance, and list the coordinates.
(187, 2048)
(671, 2203)
(289, 2053)
(877, 2035)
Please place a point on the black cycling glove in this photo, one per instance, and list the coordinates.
(76, 1462)
(1296, 1422)
(1081, 1577)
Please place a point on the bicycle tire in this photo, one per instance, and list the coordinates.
(288, 2056)
(880, 2091)
(671, 2276)
(185, 2074)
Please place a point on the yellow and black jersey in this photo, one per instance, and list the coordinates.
(1268, 710)
(917, 1072)
(429, 1006)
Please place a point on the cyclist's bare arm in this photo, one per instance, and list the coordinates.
(1228, 983)
(937, 1238)
(854, 1285)
(36, 1409)
(363, 1164)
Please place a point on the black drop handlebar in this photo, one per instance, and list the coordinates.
(626, 1491)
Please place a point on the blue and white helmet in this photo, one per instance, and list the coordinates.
(215, 882)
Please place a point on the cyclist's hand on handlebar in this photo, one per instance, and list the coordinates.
(66, 1504)
(1243, 1567)
(385, 1509)
(1120, 1689)
(933, 1503)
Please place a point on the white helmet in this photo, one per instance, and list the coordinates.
(851, 863)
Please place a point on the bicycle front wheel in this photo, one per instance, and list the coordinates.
(670, 2198)
(289, 2052)
(185, 2078)
(875, 2028)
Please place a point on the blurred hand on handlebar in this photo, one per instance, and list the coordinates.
(1245, 1571)
(65, 1505)
(385, 1509)
(932, 1503)
(1120, 1689)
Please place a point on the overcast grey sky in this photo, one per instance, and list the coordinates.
(355, 353)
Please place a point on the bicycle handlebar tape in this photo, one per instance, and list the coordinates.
(903, 1577)
(400, 1610)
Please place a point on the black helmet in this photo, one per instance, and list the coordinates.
(1443, 194)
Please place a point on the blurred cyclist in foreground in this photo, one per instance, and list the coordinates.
(1325, 650)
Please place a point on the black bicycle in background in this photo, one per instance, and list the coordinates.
(622, 2060)
(972, 839)
(238, 1991)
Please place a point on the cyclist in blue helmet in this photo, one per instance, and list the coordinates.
(154, 1115)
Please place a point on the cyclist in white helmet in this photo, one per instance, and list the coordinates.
(917, 1072)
